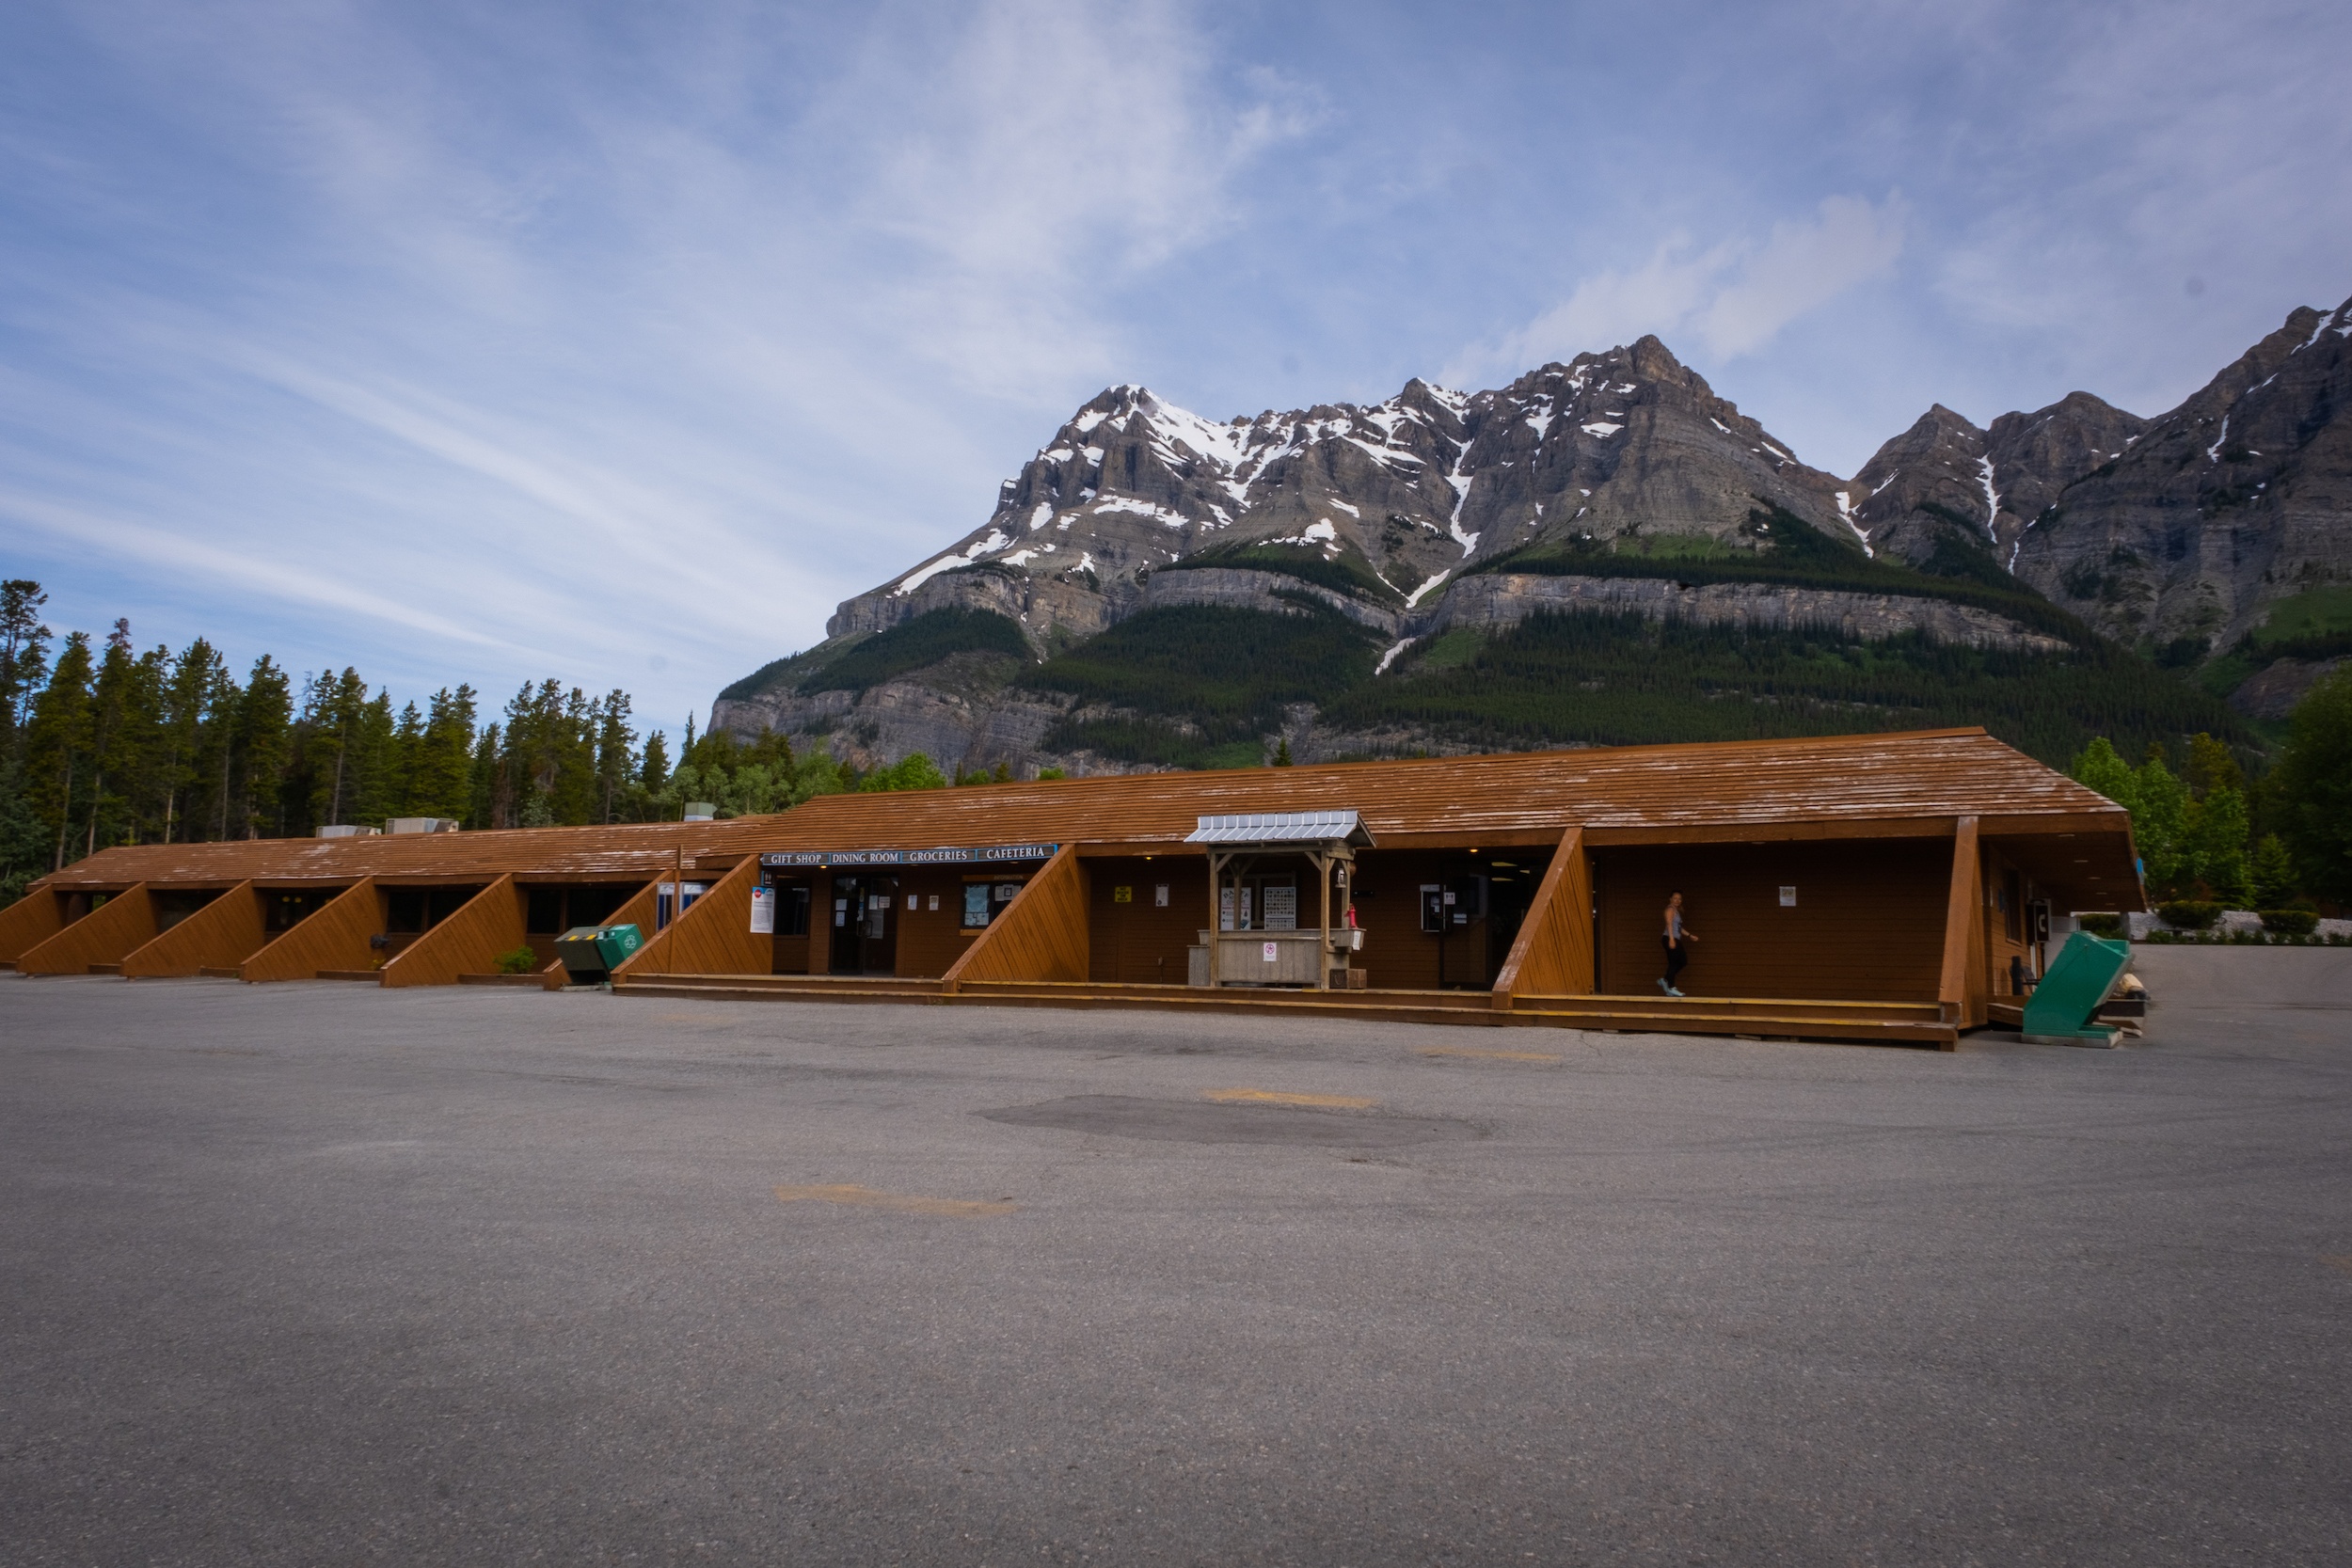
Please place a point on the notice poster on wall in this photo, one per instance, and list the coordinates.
(763, 912)
(1281, 906)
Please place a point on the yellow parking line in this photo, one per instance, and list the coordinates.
(1274, 1097)
(1488, 1056)
(905, 1203)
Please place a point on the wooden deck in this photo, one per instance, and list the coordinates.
(1918, 1024)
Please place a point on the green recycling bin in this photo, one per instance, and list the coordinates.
(590, 952)
(2061, 1009)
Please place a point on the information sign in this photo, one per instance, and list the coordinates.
(993, 854)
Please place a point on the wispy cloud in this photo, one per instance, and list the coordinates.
(1732, 298)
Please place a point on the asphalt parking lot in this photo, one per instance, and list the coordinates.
(316, 1274)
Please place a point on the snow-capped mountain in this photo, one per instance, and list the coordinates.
(1617, 481)
(1627, 444)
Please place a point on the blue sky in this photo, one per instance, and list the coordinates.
(619, 343)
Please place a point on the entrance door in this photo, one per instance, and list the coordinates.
(864, 924)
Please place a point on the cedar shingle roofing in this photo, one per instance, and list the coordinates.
(1925, 775)
(634, 850)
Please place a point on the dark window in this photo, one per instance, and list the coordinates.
(594, 905)
(792, 911)
(404, 909)
(546, 911)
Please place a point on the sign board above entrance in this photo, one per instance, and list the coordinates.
(995, 854)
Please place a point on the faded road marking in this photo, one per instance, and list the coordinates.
(1488, 1056)
(1274, 1097)
(905, 1203)
(2334, 1261)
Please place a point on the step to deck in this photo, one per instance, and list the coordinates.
(1893, 1023)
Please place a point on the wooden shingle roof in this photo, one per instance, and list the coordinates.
(1925, 776)
(1828, 786)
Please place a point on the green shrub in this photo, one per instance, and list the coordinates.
(2109, 926)
(2292, 923)
(522, 960)
(2188, 914)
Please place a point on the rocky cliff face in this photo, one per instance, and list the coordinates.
(2215, 512)
(1945, 484)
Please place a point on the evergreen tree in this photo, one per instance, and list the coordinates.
(57, 743)
(23, 657)
(2312, 784)
(187, 699)
(263, 750)
(2272, 873)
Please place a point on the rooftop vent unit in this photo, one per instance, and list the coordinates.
(421, 825)
(348, 830)
(701, 811)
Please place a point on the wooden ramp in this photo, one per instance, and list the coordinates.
(1918, 1024)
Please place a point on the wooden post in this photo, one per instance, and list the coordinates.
(1323, 947)
(1217, 923)
(1961, 919)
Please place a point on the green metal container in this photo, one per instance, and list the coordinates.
(590, 952)
(2058, 1012)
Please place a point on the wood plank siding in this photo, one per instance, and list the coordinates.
(119, 925)
(1866, 926)
(466, 942)
(333, 937)
(30, 922)
(1554, 955)
(712, 937)
(1042, 935)
(221, 935)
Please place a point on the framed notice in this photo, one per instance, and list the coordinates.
(763, 912)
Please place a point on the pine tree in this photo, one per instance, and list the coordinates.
(264, 742)
(2313, 783)
(2272, 873)
(57, 743)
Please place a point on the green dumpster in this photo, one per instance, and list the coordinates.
(2058, 1012)
(590, 952)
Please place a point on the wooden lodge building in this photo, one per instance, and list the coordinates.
(1890, 887)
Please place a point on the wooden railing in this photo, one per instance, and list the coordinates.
(714, 936)
(1042, 935)
(1554, 955)
(121, 925)
(221, 935)
(30, 922)
(334, 936)
(469, 941)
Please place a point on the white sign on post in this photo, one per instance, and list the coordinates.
(1272, 948)
(763, 912)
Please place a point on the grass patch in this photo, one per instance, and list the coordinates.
(916, 644)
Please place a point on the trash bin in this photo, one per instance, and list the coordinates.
(589, 953)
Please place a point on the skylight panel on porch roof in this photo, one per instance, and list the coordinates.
(1282, 827)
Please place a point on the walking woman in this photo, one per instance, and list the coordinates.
(1677, 933)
